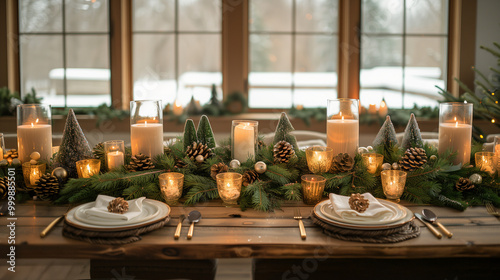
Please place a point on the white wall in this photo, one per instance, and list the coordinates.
(487, 32)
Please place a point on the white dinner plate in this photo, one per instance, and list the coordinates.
(163, 212)
(317, 211)
(149, 211)
(328, 211)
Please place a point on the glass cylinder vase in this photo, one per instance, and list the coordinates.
(229, 187)
(146, 128)
(455, 130)
(115, 154)
(342, 127)
(34, 131)
(244, 139)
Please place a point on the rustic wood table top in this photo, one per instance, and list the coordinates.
(231, 233)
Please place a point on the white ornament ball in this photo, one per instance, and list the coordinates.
(260, 167)
(35, 155)
(476, 178)
(234, 164)
(199, 158)
(395, 166)
(433, 157)
(386, 166)
(33, 162)
(370, 149)
(16, 161)
(362, 150)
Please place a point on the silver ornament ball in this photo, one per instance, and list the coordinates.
(234, 164)
(476, 178)
(60, 173)
(386, 166)
(395, 166)
(199, 158)
(260, 167)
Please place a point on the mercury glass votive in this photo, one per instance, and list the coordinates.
(171, 185)
(486, 162)
(373, 162)
(88, 167)
(496, 150)
(229, 187)
(2, 146)
(312, 188)
(33, 172)
(393, 184)
(115, 154)
(319, 159)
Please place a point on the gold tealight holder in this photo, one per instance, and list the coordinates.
(88, 167)
(319, 159)
(486, 162)
(229, 187)
(312, 188)
(373, 162)
(393, 184)
(32, 173)
(171, 185)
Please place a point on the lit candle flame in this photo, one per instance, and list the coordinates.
(145, 123)
(88, 168)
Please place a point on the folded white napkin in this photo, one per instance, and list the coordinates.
(101, 208)
(375, 211)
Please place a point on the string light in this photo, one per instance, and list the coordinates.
(492, 120)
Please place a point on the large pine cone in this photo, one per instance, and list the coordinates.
(218, 168)
(197, 149)
(249, 177)
(10, 155)
(358, 203)
(98, 151)
(283, 152)
(118, 205)
(413, 159)
(3, 187)
(342, 162)
(47, 186)
(140, 162)
(464, 184)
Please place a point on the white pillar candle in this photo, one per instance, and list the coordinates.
(343, 136)
(115, 160)
(147, 138)
(34, 138)
(457, 137)
(244, 142)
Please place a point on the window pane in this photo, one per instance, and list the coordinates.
(268, 15)
(40, 59)
(425, 69)
(200, 15)
(154, 67)
(429, 17)
(382, 16)
(270, 53)
(381, 70)
(317, 15)
(86, 16)
(156, 15)
(199, 66)
(40, 16)
(313, 98)
(87, 72)
(269, 97)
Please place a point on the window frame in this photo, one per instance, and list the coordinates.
(235, 70)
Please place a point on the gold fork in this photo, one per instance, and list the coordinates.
(298, 216)
(491, 209)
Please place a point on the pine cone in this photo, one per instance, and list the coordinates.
(98, 151)
(196, 149)
(283, 151)
(358, 203)
(118, 205)
(342, 162)
(140, 162)
(414, 158)
(249, 177)
(10, 155)
(464, 184)
(47, 186)
(3, 187)
(218, 168)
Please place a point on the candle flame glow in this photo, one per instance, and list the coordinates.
(88, 168)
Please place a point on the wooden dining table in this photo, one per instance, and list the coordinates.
(272, 239)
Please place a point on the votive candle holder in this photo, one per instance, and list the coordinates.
(393, 184)
(373, 162)
(319, 159)
(32, 173)
(88, 167)
(486, 162)
(171, 186)
(312, 188)
(229, 187)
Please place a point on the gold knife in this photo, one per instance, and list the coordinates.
(179, 227)
(50, 226)
(429, 226)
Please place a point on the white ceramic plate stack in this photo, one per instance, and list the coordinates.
(153, 211)
(325, 212)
